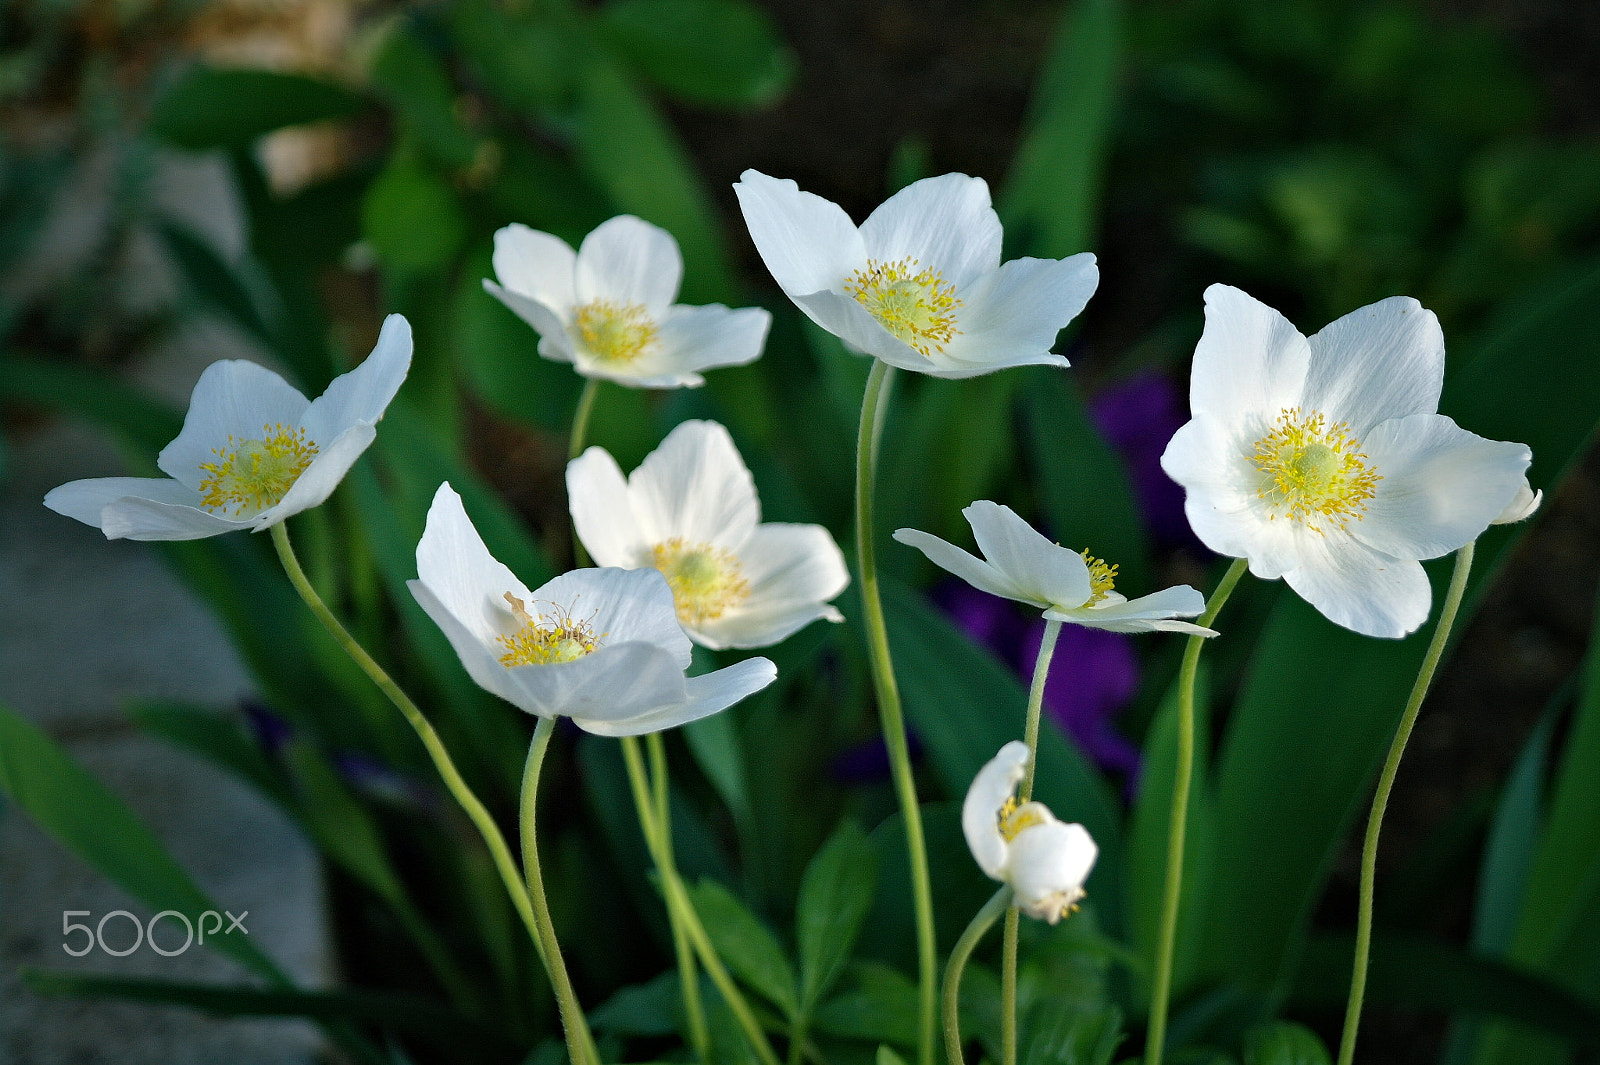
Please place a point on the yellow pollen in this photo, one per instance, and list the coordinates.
(543, 640)
(614, 332)
(1015, 818)
(1312, 472)
(705, 580)
(251, 475)
(918, 306)
(1102, 578)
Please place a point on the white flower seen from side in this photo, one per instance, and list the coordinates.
(253, 451)
(690, 511)
(601, 646)
(608, 307)
(1045, 861)
(920, 284)
(1021, 564)
(1323, 460)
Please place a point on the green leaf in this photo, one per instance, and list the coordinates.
(652, 1009)
(1068, 1034)
(213, 282)
(216, 738)
(745, 944)
(525, 61)
(719, 53)
(883, 1008)
(411, 218)
(887, 1056)
(714, 742)
(412, 79)
(835, 894)
(94, 824)
(218, 107)
(146, 423)
(1513, 840)
(1283, 1043)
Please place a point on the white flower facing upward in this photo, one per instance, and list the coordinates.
(253, 451)
(601, 646)
(690, 510)
(1044, 860)
(1323, 460)
(1019, 563)
(608, 307)
(920, 285)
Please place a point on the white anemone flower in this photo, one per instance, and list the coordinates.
(253, 451)
(690, 510)
(1020, 563)
(1044, 860)
(608, 307)
(920, 284)
(601, 646)
(1323, 460)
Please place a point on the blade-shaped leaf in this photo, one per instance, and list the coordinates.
(218, 107)
(745, 944)
(721, 53)
(1283, 1043)
(835, 895)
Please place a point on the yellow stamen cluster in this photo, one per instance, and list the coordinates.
(705, 580)
(1014, 818)
(1313, 472)
(251, 475)
(918, 306)
(542, 640)
(614, 332)
(1102, 577)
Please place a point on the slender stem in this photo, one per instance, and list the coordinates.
(580, 1044)
(580, 433)
(874, 405)
(678, 904)
(688, 975)
(1008, 954)
(476, 811)
(1380, 801)
(1177, 826)
(981, 923)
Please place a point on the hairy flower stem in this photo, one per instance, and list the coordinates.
(688, 975)
(575, 442)
(1380, 801)
(1030, 736)
(1177, 825)
(874, 405)
(985, 918)
(580, 1043)
(682, 909)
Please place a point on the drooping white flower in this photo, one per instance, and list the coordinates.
(1019, 563)
(601, 646)
(608, 307)
(690, 510)
(1323, 460)
(1044, 860)
(253, 451)
(920, 284)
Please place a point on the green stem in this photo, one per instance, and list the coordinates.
(1380, 801)
(874, 405)
(1030, 736)
(580, 433)
(688, 975)
(1177, 826)
(998, 903)
(682, 909)
(476, 811)
(580, 1044)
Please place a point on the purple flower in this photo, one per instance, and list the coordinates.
(1137, 417)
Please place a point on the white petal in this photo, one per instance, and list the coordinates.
(614, 683)
(945, 222)
(537, 266)
(704, 696)
(1047, 866)
(232, 397)
(1053, 575)
(808, 243)
(459, 572)
(145, 519)
(1150, 613)
(975, 571)
(1220, 496)
(363, 394)
(702, 338)
(554, 343)
(980, 810)
(84, 500)
(852, 323)
(1250, 360)
(623, 605)
(628, 260)
(1522, 507)
(321, 477)
(602, 511)
(792, 570)
(948, 369)
(481, 659)
(1441, 486)
(1018, 309)
(1383, 361)
(695, 486)
(1360, 588)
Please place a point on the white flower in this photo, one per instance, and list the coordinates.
(1323, 461)
(601, 646)
(920, 284)
(1067, 585)
(253, 451)
(1044, 860)
(608, 309)
(690, 510)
